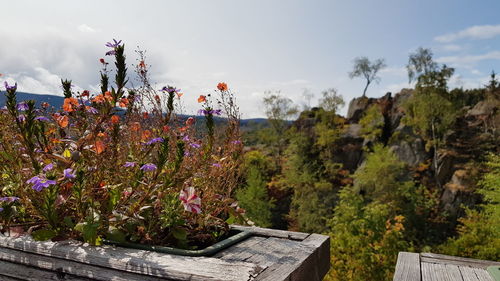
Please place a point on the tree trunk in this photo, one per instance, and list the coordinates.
(366, 87)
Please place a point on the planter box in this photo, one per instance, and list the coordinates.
(266, 255)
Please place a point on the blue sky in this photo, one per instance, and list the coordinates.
(254, 46)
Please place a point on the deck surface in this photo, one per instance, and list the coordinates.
(434, 267)
(267, 255)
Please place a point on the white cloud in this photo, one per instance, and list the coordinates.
(395, 71)
(467, 61)
(85, 28)
(451, 47)
(473, 32)
(476, 72)
(395, 88)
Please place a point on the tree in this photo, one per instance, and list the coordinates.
(420, 62)
(254, 198)
(279, 110)
(479, 232)
(331, 100)
(363, 67)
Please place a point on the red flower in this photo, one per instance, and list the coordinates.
(222, 86)
(190, 121)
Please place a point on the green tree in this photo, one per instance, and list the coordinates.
(372, 123)
(363, 67)
(479, 232)
(331, 100)
(254, 198)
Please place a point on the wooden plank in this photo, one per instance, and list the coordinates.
(272, 232)
(483, 275)
(241, 251)
(309, 260)
(138, 261)
(468, 273)
(444, 259)
(63, 267)
(13, 271)
(407, 267)
(440, 272)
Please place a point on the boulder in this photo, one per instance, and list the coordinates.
(357, 107)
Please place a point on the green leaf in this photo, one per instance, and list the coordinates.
(114, 234)
(69, 222)
(43, 234)
(89, 232)
(179, 233)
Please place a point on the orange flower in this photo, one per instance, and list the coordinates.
(135, 126)
(190, 121)
(166, 128)
(146, 134)
(115, 119)
(102, 134)
(70, 104)
(45, 104)
(62, 120)
(179, 95)
(108, 96)
(99, 147)
(123, 102)
(202, 98)
(145, 115)
(98, 99)
(222, 86)
(142, 64)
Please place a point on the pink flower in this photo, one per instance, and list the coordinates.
(191, 201)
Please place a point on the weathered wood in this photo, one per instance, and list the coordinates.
(270, 255)
(483, 275)
(407, 267)
(440, 272)
(64, 267)
(437, 258)
(14, 271)
(468, 273)
(272, 232)
(138, 261)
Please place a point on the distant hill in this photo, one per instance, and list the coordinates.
(57, 102)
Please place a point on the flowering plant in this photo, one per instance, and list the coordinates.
(120, 164)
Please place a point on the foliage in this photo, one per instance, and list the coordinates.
(119, 163)
(254, 198)
(363, 67)
(372, 123)
(331, 100)
(479, 232)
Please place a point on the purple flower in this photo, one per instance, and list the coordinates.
(216, 165)
(1, 209)
(68, 174)
(155, 140)
(40, 183)
(207, 112)
(42, 119)
(48, 167)
(186, 138)
(113, 44)
(195, 145)
(148, 167)
(92, 110)
(9, 199)
(22, 106)
(10, 88)
(21, 118)
(129, 164)
(236, 142)
(170, 89)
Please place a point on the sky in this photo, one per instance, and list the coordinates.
(291, 46)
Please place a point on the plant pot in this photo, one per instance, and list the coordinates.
(266, 255)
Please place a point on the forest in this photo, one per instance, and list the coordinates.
(416, 171)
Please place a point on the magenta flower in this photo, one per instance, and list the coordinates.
(22, 106)
(129, 164)
(68, 174)
(148, 167)
(48, 167)
(42, 119)
(40, 183)
(191, 201)
(9, 199)
(170, 89)
(10, 88)
(113, 44)
(153, 141)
